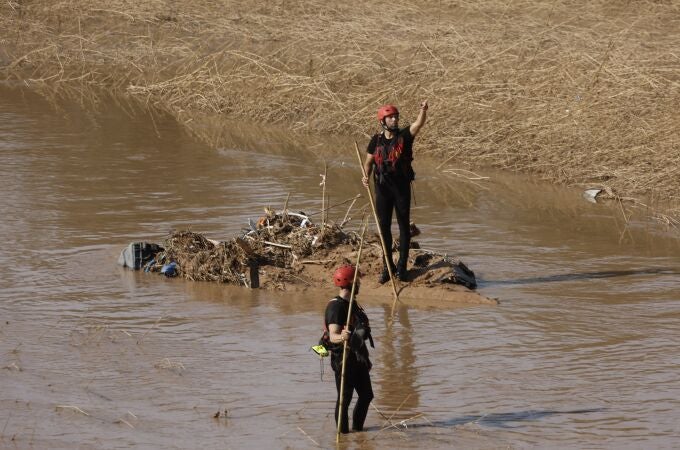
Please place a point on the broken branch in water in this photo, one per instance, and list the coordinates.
(308, 436)
(344, 220)
(74, 408)
(149, 330)
(336, 204)
(467, 174)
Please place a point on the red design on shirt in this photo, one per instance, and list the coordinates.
(393, 153)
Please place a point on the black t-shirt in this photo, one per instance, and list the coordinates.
(336, 312)
(392, 157)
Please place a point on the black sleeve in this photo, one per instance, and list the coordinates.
(336, 312)
(372, 144)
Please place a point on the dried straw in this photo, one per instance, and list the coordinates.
(583, 94)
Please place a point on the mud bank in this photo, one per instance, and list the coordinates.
(289, 253)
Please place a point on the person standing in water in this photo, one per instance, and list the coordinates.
(389, 158)
(357, 364)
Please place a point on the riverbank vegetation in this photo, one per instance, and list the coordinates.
(580, 93)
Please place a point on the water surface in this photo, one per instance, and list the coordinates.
(581, 352)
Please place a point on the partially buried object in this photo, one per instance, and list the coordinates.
(169, 270)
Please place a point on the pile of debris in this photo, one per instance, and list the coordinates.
(283, 248)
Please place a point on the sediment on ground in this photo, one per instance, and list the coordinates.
(579, 93)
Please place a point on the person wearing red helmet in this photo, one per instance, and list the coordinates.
(389, 158)
(357, 365)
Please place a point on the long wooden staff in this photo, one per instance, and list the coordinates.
(344, 347)
(382, 239)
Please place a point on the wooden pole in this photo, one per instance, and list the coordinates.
(323, 194)
(344, 347)
(382, 239)
(284, 214)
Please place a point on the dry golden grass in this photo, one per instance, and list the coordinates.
(581, 93)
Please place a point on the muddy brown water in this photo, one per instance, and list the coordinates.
(582, 352)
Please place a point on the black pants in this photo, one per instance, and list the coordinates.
(357, 378)
(390, 195)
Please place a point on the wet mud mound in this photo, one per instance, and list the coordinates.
(288, 252)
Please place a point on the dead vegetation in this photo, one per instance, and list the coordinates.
(287, 250)
(277, 240)
(578, 93)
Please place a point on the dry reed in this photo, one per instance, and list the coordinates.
(583, 94)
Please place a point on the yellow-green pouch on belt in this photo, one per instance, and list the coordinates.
(320, 350)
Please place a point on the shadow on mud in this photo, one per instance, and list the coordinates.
(579, 276)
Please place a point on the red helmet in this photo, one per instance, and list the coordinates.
(386, 110)
(344, 276)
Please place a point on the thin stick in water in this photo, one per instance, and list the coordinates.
(308, 436)
(149, 330)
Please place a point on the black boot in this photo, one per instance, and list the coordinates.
(385, 275)
(402, 273)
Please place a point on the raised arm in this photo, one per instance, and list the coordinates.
(420, 121)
